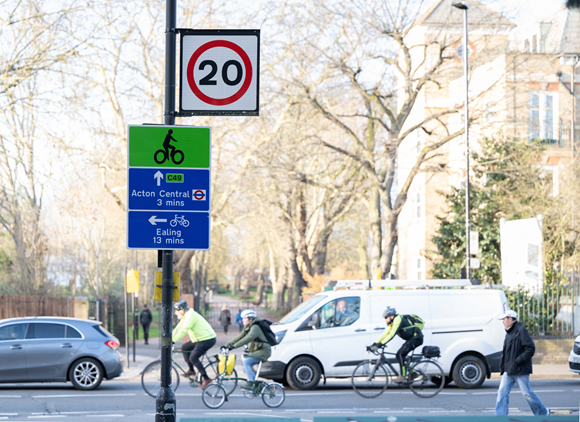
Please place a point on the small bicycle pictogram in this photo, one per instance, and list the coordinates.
(181, 220)
(174, 154)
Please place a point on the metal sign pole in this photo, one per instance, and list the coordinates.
(165, 402)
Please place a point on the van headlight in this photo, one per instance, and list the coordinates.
(280, 336)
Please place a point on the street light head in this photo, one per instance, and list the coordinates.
(461, 5)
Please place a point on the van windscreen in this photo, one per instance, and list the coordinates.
(298, 312)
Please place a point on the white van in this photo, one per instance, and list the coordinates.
(459, 318)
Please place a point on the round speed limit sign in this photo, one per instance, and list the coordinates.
(220, 72)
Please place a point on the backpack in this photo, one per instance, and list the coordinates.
(264, 325)
(416, 321)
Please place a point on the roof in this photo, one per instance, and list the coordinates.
(49, 318)
(442, 13)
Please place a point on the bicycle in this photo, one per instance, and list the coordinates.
(214, 395)
(424, 376)
(151, 375)
(179, 220)
(165, 155)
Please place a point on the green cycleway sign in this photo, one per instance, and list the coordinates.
(169, 146)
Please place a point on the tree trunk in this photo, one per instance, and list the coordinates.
(183, 266)
(391, 238)
(320, 251)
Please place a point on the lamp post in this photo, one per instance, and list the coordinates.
(572, 60)
(464, 7)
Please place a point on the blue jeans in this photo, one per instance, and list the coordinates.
(248, 363)
(503, 395)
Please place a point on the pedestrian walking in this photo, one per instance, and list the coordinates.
(516, 366)
(225, 318)
(240, 320)
(145, 318)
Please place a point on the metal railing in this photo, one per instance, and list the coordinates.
(552, 312)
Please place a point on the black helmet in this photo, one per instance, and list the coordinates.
(182, 304)
(389, 312)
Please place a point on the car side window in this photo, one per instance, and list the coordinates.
(72, 332)
(49, 330)
(13, 332)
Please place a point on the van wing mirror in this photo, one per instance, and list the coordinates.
(314, 322)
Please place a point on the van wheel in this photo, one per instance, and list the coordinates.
(303, 374)
(469, 372)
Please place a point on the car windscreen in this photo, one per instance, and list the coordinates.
(302, 309)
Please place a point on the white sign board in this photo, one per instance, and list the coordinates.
(220, 72)
(521, 254)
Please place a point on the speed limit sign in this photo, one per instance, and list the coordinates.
(220, 72)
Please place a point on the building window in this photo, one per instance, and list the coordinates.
(419, 205)
(542, 116)
(419, 268)
(418, 139)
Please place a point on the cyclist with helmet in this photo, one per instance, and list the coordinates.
(401, 326)
(202, 337)
(258, 345)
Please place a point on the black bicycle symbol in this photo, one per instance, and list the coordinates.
(174, 154)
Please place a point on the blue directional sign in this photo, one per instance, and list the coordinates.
(168, 230)
(168, 192)
(169, 189)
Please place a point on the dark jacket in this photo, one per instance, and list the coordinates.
(254, 337)
(145, 317)
(518, 349)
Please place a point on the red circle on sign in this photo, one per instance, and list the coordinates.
(219, 101)
(199, 195)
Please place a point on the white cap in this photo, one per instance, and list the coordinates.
(509, 313)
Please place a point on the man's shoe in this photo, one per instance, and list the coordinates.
(205, 383)
(399, 378)
(188, 373)
(249, 386)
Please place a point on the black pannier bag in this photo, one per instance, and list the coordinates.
(431, 351)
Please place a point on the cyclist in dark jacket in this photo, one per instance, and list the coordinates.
(401, 326)
(516, 366)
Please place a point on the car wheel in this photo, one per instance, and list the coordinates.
(86, 374)
(303, 374)
(469, 372)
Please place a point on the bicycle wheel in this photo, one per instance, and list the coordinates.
(151, 378)
(273, 395)
(175, 155)
(369, 380)
(426, 379)
(214, 395)
(228, 383)
(163, 156)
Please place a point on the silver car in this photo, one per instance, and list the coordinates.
(45, 349)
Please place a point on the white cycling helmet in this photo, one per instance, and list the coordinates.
(389, 312)
(248, 313)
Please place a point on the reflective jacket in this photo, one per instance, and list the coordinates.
(194, 325)
(254, 337)
(401, 326)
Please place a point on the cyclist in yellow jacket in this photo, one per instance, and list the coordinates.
(201, 338)
(399, 325)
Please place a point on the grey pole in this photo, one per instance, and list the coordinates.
(573, 167)
(126, 322)
(165, 402)
(464, 7)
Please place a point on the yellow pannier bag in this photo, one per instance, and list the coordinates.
(229, 365)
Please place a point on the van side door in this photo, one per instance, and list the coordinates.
(340, 336)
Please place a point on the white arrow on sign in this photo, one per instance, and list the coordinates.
(154, 220)
(158, 176)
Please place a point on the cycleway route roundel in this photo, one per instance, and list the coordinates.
(219, 101)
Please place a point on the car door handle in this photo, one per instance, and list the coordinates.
(16, 346)
(66, 345)
(379, 328)
(358, 330)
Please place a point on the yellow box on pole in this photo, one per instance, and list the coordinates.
(176, 284)
(132, 281)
